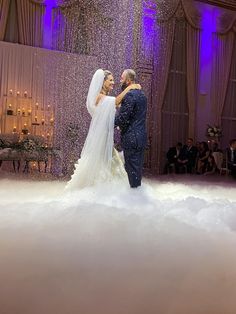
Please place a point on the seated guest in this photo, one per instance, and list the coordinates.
(202, 158)
(187, 157)
(198, 144)
(215, 148)
(210, 166)
(231, 157)
(172, 156)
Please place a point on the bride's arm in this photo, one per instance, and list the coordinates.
(120, 97)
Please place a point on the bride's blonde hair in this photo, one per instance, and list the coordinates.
(106, 74)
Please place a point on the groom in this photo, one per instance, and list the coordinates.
(131, 120)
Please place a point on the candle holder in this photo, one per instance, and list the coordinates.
(25, 131)
(9, 110)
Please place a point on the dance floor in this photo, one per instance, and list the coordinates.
(167, 248)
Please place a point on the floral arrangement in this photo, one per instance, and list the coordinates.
(213, 131)
(28, 145)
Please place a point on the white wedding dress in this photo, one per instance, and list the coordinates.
(99, 161)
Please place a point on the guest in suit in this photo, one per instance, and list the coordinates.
(231, 157)
(172, 157)
(131, 120)
(187, 157)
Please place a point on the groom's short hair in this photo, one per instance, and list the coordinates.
(130, 74)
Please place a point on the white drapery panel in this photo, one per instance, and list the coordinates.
(222, 59)
(162, 57)
(193, 45)
(175, 112)
(24, 22)
(30, 22)
(228, 118)
(55, 79)
(4, 7)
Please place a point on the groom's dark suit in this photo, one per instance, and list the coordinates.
(131, 120)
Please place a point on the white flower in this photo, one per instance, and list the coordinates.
(214, 131)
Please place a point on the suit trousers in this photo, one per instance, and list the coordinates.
(134, 165)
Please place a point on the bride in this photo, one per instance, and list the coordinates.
(99, 161)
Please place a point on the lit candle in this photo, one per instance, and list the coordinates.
(37, 105)
(18, 93)
(25, 125)
(35, 118)
(9, 106)
(14, 129)
(18, 111)
(43, 121)
(51, 120)
(11, 92)
(25, 93)
(48, 107)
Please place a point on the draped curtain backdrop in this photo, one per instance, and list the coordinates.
(228, 117)
(4, 8)
(175, 111)
(22, 21)
(54, 79)
(223, 89)
(224, 76)
(30, 22)
(167, 13)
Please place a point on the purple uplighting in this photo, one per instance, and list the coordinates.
(209, 22)
(47, 39)
(149, 22)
